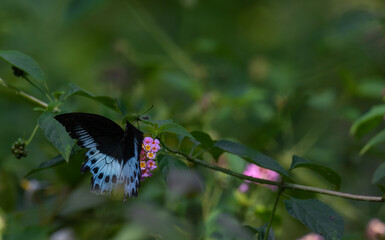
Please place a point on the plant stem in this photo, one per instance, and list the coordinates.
(272, 213)
(32, 99)
(23, 94)
(29, 97)
(279, 184)
(34, 85)
(334, 193)
(32, 135)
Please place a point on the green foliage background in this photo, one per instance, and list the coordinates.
(283, 77)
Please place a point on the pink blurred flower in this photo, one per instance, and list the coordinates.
(375, 229)
(311, 236)
(256, 171)
(244, 187)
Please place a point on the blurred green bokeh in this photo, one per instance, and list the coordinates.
(283, 77)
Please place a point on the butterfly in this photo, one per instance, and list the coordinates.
(113, 155)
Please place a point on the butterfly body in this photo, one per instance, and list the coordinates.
(113, 154)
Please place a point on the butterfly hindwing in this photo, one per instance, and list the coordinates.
(113, 155)
(106, 170)
(132, 175)
(131, 172)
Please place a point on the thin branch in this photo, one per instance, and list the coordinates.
(273, 213)
(335, 193)
(32, 135)
(23, 94)
(279, 184)
(32, 99)
(38, 88)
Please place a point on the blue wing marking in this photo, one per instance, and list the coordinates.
(85, 139)
(131, 175)
(107, 170)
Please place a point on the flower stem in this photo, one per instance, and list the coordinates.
(280, 190)
(279, 184)
(32, 135)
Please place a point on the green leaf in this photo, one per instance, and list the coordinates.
(78, 8)
(262, 232)
(57, 94)
(215, 152)
(145, 121)
(58, 160)
(163, 122)
(329, 174)
(221, 225)
(377, 139)
(39, 109)
(206, 143)
(28, 65)
(56, 134)
(167, 125)
(52, 105)
(17, 229)
(317, 216)
(379, 173)
(75, 90)
(203, 138)
(148, 129)
(174, 128)
(48, 164)
(370, 87)
(167, 163)
(368, 121)
(381, 187)
(251, 155)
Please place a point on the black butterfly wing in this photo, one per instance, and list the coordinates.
(113, 155)
(92, 130)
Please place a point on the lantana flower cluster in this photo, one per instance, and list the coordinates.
(150, 147)
(256, 171)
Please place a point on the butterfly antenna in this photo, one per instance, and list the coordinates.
(146, 111)
(120, 108)
(138, 118)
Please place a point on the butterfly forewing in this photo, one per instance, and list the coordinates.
(113, 155)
